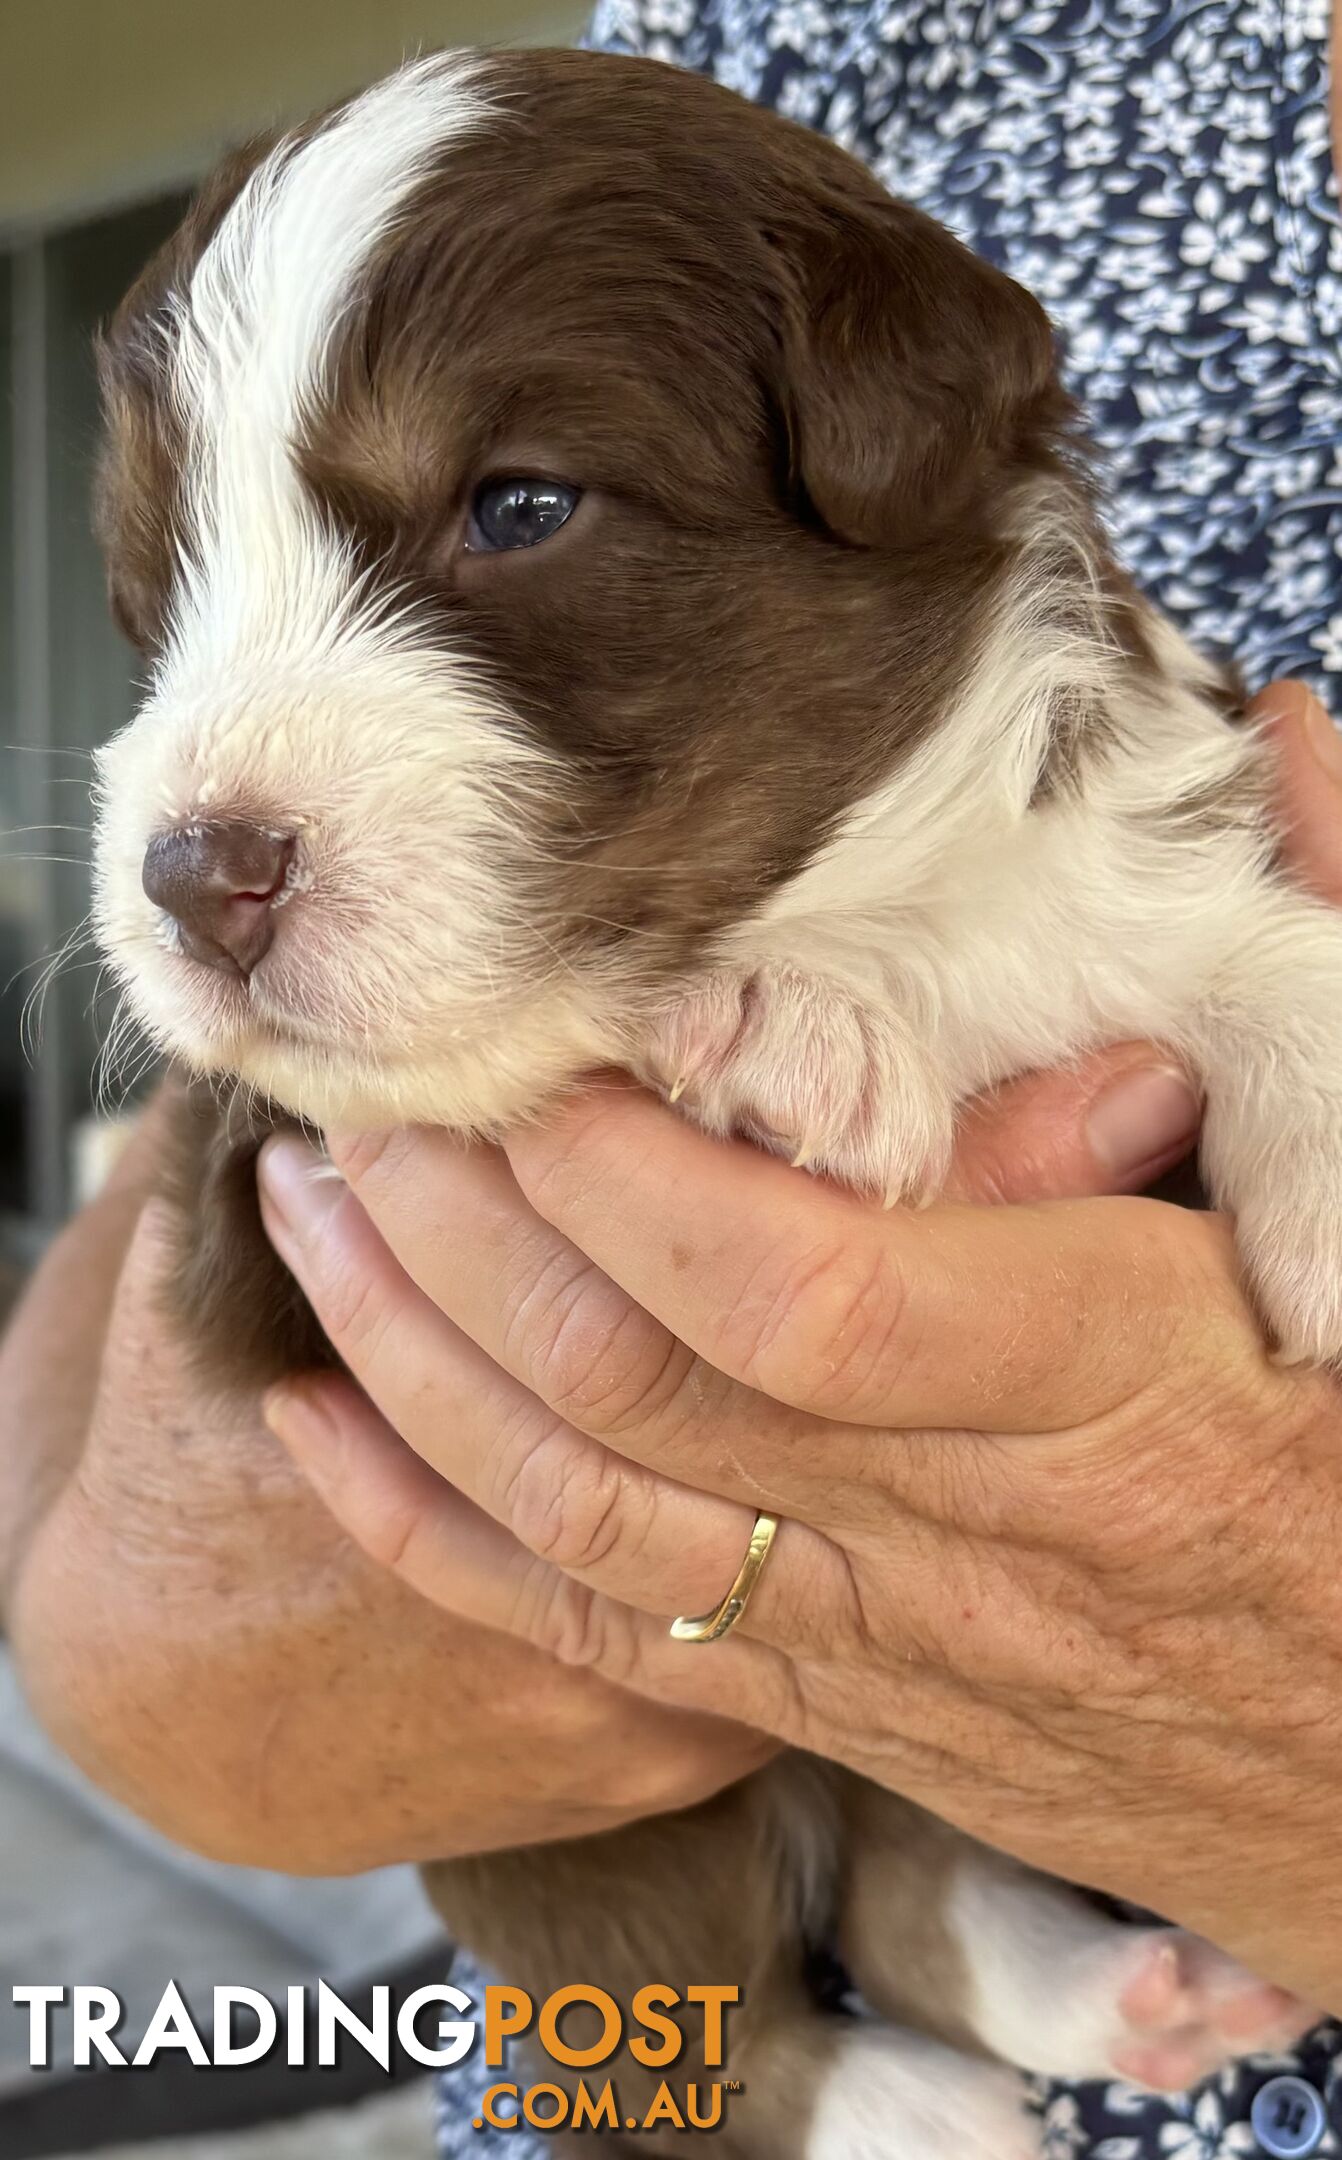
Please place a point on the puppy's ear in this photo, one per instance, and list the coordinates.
(914, 373)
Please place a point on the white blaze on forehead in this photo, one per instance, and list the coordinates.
(412, 982)
(251, 337)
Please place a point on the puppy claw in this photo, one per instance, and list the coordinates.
(771, 1054)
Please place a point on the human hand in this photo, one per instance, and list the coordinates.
(197, 1632)
(1058, 1556)
(193, 1626)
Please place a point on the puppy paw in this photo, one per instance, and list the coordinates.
(804, 1068)
(1272, 1159)
(1292, 1254)
(1177, 2010)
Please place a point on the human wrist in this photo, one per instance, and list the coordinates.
(49, 1367)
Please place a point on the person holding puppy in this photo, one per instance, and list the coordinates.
(205, 1625)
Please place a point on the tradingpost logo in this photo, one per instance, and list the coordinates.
(441, 2027)
(655, 2038)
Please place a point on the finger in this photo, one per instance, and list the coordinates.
(1014, 1319)
(543, 1312)
(464, 1233)
(448, 1551)
(1308, 753)
(548, 1315)
(607, 1521)
(1111, 1123)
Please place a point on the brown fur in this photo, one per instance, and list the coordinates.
(729, 328)
(232, 1295)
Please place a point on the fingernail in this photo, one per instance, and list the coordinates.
(1147, 1118)
(1325, 739)
(300, 1424)
(299, 1185)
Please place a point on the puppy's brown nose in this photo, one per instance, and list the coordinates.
(219, 883)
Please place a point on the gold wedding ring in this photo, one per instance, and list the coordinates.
(713, 1626)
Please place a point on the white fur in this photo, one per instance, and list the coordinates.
(282, 698)
(250, 340)
(893, 2096)
(1042, 1968)
(1008, 936)
(982, 937)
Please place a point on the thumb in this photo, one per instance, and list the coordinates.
(1111, 1123)
(1308, 749)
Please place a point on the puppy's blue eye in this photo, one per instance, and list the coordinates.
(518, 513)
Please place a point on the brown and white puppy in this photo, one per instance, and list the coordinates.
(619, 588)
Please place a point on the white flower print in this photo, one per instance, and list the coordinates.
(1280, 316)
(1328, 306)
(1168, 133)
(1306, 22)
(1206, 2135)
(1199, 472)
(798, 22)
(1092, 100)
(1014, 184)
(1137, 262)
(671, 17)
(1246, 116)
(1077, 206)
(1064, 2133)
(1014, 132)
(1240, 167)
(1303, 584)
(1091, 147)
(1259, 20)
(1327, 641)
(965, 112)
(798, 99)
(1298, 475)
(1044, 272)
(1226, 246)
(1162, 90)
(1164, 308)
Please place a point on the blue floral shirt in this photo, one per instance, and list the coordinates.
(1159, 173)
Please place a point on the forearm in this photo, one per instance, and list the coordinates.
(262, 1694)
(241, 1684)
(52, 1351)
(174, 1579)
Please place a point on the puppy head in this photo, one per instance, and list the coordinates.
(548, 492)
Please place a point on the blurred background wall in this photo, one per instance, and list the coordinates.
(109, 112)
